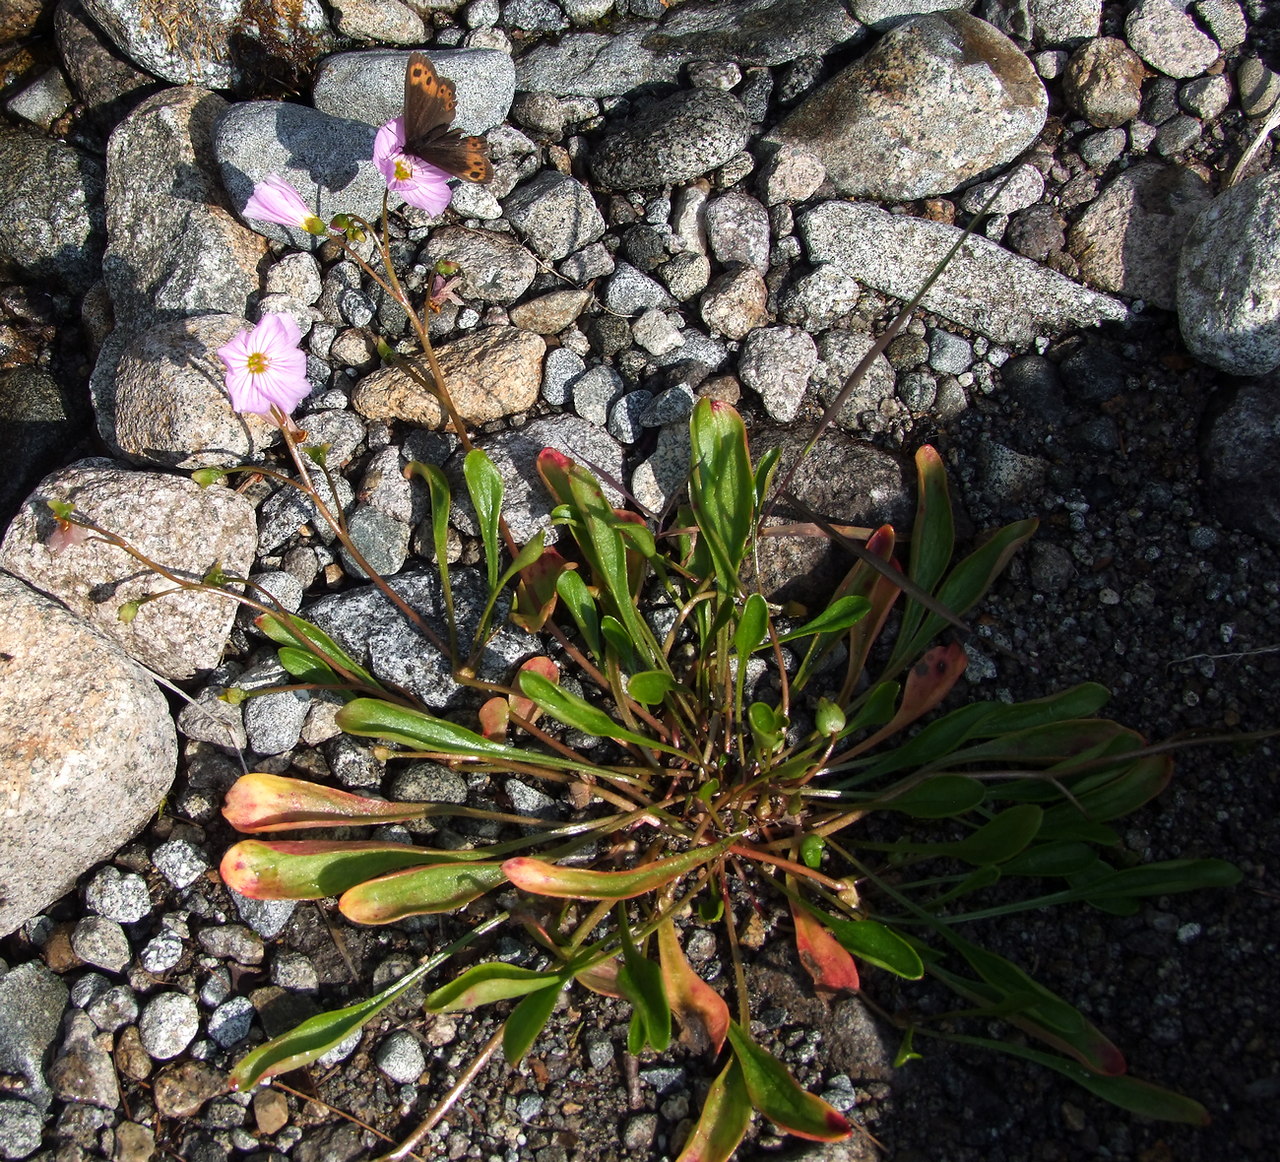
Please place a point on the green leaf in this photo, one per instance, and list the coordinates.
(570, 883)
(315, 1036)
(941, 737)
(1082, 701)
(572, 590)
(877, 944)
(722, 488)
(753, 625)
(1038, 1011)
(768, 726)
(526, 1022)
(580, 714)
(1057, 858)
(842, 613)
(306, 667)
(485, 983)
(650, 687)
(1001, 838)
(966, 584)
(641, 982)
(441, 503)
(1164, 878)
(485, 486)
(311, 869)
(723, 1123)
(413, 728)
(421, 891)
(939, 797)
(1128, 1093)
(774, 1092)
(304, 635)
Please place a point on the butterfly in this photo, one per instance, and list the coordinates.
(429, 106)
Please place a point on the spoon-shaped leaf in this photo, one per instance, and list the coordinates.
(310, 869)
(725, 1116)
(419, 891)
(485, 983)
(774, 1092)
(315, 1036)
(571, 883)
(262, 802)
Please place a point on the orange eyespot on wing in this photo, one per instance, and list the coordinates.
(430, 102)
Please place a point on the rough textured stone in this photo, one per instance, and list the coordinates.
(65, 680)
(491, 372)
(940, 99)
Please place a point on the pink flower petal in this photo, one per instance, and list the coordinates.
(265, 368)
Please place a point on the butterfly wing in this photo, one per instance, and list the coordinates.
(430, 103)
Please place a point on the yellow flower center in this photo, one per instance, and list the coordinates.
(404, 171)
(257, 363)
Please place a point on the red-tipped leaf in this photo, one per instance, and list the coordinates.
(311, 869)
(262, 802)
(823, 956)
(703, 1015)
(571, 883)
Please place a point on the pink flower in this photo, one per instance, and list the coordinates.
(265, 368)
(275, 200)
(418, 182)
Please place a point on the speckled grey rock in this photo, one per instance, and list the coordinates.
(1164, 34)
(378, 636)
(515, 453)
(51, 219)
(664, 474)
(593, 64)
(174, 247)
(1127, 240)
(20, 1129)
(1239, 453)
(101, 942)
(682, 137)
(62, 676)
(382, 540)
(756, 32)
(180, 862)
(31, 1003)
(168, 1024)
(1043, 22)
(230, 1022)
(629, 291)
(594, 392)
(1004, 297)
(368, 86)
(1229, 277)
(738, 230)
(117, 895)
(939, 99)
(560, 368)
(172, 520)
(164, 41)
(555, 213)
(328, 160)
(401, 1058)
(776, 362)
(167, 406)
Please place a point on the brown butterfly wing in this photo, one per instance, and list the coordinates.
(430, 102)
